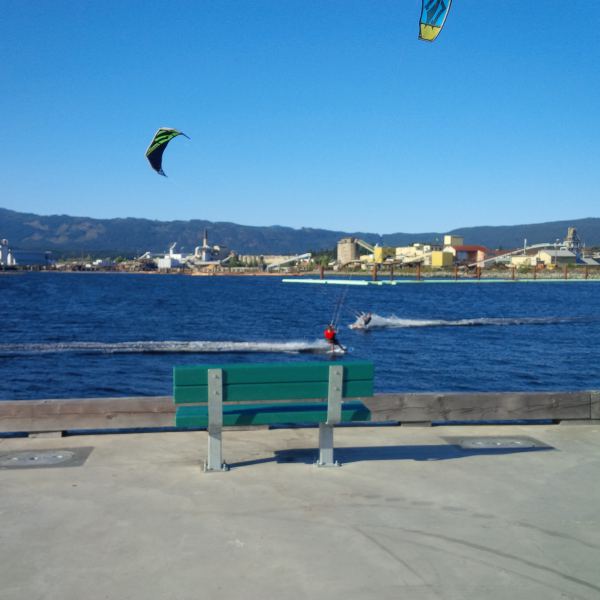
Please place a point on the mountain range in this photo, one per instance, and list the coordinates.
(66, 235)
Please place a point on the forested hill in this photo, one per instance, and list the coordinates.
(63, 234)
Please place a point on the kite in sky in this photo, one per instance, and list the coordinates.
(433, 17)
(157, 146)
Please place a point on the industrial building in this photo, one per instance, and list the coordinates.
(558, 257)
(205, 255)
(347, 251)
(273, 262)
(22, 258)
(441, 259)
(570, 251)
(468, 254)
(428, 254)
(6, 257)
(455, 252)
(454, 240)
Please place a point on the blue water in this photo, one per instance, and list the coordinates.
(90, 335)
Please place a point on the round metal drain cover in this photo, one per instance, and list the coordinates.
(496, 443)
(36, 459)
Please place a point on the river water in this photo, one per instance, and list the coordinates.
(77, 335)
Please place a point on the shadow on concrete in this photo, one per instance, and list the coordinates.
(366, 453)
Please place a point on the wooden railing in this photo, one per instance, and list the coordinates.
(407, 409)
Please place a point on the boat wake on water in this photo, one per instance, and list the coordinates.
(381, 322)
(169, 347)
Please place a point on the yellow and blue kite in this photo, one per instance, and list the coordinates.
(433, 17)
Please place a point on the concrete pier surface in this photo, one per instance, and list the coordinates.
(512, 513)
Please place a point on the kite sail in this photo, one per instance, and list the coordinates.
(433, 17)
(157, 146)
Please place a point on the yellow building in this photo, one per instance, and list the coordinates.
(557, 257)
(523, 261)
(441, 259)
(454, 240)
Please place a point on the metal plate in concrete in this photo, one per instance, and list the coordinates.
(44, 459)
(496, 442)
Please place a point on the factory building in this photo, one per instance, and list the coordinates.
(441, 259)
(6, 257)
(427, 254)
(454, 240)
(347, 251)
(557, 257)
(403, 252)
(204, 255)
(524, 260)
(22, 258)
(207, 253)
(468, 254)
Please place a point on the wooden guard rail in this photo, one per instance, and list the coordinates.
(33, 416)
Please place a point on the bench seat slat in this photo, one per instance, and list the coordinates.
(260, 414)
(272, 391)
(300, 372)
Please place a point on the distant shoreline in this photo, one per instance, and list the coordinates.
(557, 274)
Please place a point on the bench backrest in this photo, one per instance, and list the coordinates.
(271, 381)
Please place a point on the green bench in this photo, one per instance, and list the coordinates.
(217, 396)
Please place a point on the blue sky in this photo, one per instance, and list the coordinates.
(305, 113)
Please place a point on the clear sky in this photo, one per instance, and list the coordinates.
(305, 113)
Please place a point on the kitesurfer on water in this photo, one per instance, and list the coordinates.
(362, 321)
(331, 337)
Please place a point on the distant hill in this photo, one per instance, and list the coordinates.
(64, 235)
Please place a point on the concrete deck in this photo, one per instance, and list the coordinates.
(407, 516)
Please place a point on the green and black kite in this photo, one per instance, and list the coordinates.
(157, 146)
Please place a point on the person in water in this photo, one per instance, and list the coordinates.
(362, 321)
(331, 336)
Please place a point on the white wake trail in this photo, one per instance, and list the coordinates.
(169, 347)
(392, 321)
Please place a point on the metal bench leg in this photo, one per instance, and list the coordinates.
(214, 461)
(326, 446)
(334, 416)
